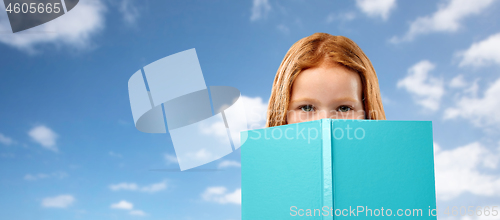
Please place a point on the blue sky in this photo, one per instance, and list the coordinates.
(69, 148)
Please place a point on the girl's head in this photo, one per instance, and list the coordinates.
(324, 76)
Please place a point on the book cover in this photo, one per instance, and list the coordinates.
(339, 169)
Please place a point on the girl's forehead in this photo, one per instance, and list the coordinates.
(327, 85)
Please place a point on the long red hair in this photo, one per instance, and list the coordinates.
(311, 51)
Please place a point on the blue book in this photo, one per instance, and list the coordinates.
(339, 169)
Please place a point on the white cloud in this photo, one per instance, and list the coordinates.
(193, 157)
(124, 186)
(170, 159)
(215, 129)
(255, 110)
(482, 53)
(73, 29)
(346, 16)
(458, 171)
(125, 205)
(229, 163)
(260, 9)
(425, 89)
(473, 217)
(458, 82)
(472, 90)
(61, 201)
(219, 195)
(481, 111)
(255, 117)
(45, 137)
(33, 177)
(137, 212)
(490, 216)
(6, 140)
(129, 11)
(155, 187)
(376, 8)
(446, 19)
(283, 29)
(122, 205)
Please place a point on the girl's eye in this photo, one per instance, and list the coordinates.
(344, 108)
(307, 108)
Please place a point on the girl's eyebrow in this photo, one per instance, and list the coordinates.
(313, 100)
(306, 99)
(346, 99)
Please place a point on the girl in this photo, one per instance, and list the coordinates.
(324, 76)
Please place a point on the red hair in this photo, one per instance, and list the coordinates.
(310, 52)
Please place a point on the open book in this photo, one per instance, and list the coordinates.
(339, 169)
